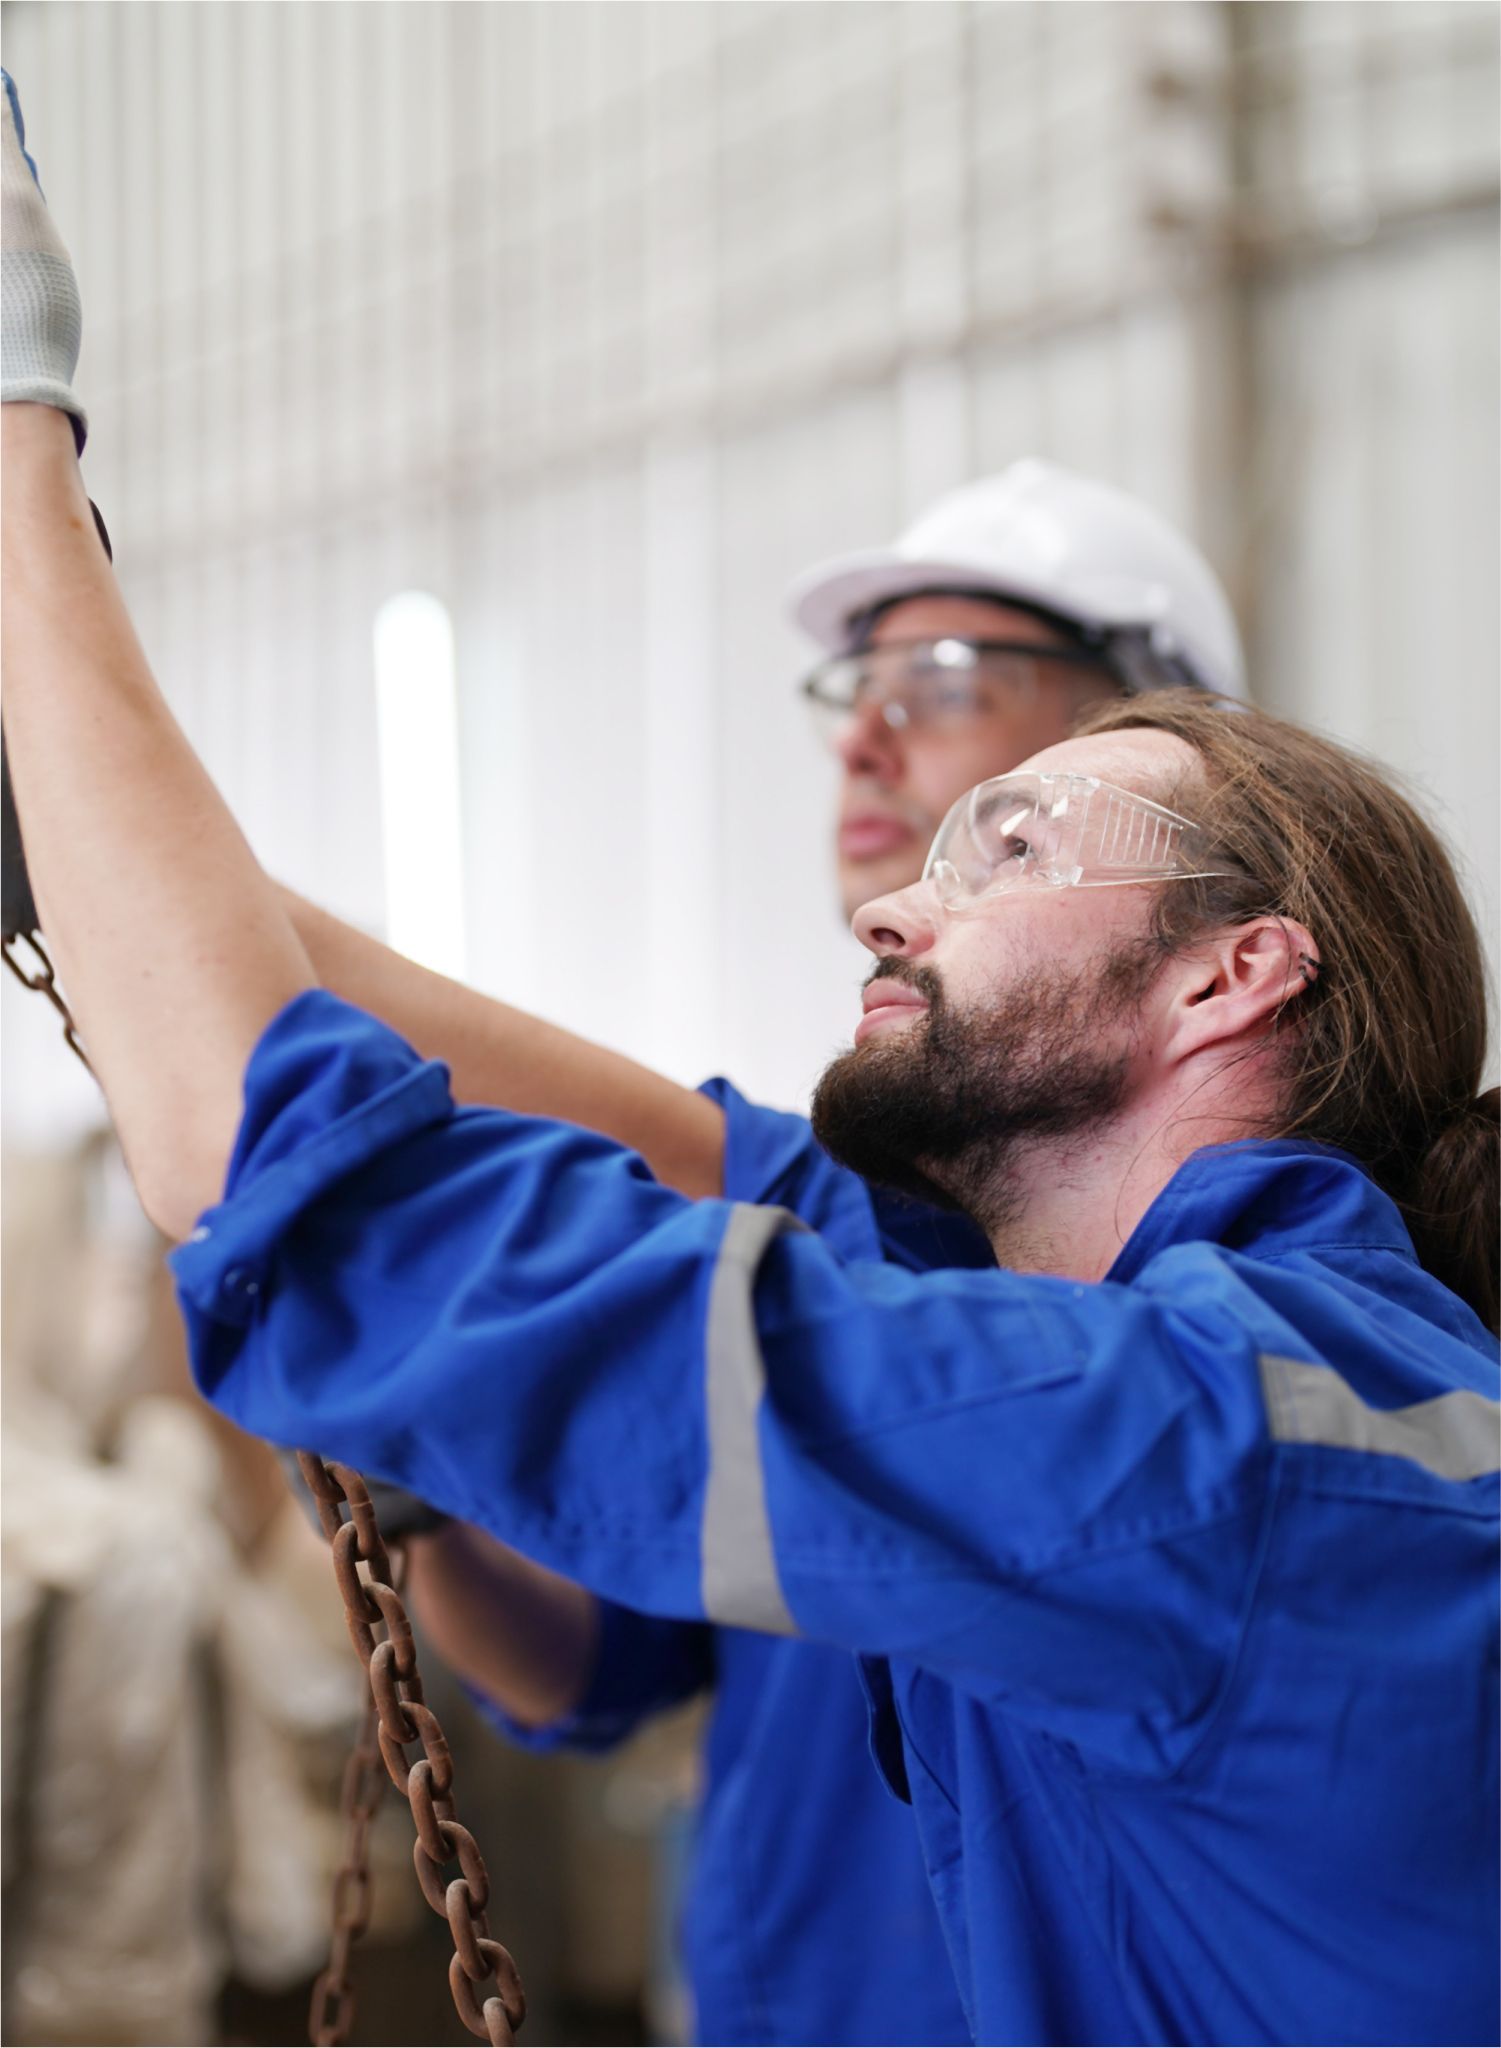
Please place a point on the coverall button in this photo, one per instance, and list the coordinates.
(240, 1284)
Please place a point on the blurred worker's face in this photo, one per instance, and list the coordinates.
(897, 784)
(1023, 1017)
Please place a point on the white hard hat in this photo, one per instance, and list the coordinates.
(1040, 536)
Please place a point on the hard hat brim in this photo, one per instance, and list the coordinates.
(827, 599)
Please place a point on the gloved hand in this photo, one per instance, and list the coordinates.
(399, 1513)
(41, 318)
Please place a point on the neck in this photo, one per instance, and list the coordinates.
(1069, 1209)
(1067, 1206)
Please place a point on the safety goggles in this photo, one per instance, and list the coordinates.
(930, 683)
(1060, 831)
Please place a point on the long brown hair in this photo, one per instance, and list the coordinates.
(1389, 1047)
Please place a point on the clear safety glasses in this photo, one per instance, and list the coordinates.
(929, 683)
(1059, 831)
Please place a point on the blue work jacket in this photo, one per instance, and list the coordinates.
(807, 1911)
(1175, 1594)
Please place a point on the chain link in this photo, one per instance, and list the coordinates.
(44, 983)
(331, 2013)
(398, 1716)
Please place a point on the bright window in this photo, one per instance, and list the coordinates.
(417, 722)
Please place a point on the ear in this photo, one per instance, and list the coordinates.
(1237, 984)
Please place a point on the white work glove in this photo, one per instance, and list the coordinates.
(41, 319)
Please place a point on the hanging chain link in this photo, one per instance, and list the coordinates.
(331, 2010)
(21, 915)
(44, 982)
(402, 1717)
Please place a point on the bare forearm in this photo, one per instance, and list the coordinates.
(173, 945)
(504, 1057)
(520, 1633)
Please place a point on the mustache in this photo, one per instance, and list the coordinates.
(910, 974)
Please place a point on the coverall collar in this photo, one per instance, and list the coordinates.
(1260, 1192)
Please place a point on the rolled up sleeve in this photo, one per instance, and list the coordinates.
(327, 1091)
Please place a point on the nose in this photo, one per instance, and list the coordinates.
(869, 744)
(902, 925)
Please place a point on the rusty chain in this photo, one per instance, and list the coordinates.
(331, 2008)
(44, 983)
(23, 916)
(400, 1717)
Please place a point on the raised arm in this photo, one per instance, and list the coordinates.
(176, 949)
(174, 946)
(502, 1056)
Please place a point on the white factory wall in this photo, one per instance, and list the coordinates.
(601, 320)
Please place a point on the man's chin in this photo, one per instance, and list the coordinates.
(867, 1121)
(959, 1090)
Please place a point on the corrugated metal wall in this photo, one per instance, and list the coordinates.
(602, 320)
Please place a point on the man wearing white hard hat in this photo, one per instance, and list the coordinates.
(981, 633)
(968, 645)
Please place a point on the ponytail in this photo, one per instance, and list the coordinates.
(1451, 1206)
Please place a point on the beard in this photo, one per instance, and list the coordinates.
(940, 1110)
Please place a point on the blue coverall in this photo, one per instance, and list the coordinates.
(808, 1914)
(1175, 1594)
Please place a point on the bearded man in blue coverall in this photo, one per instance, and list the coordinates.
(972, 642)
(808, 1915)
(1166, 1540)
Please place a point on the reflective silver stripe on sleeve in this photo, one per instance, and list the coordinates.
(740, 1584)
(1455, 1436)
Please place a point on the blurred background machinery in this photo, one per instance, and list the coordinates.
(593, 324)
